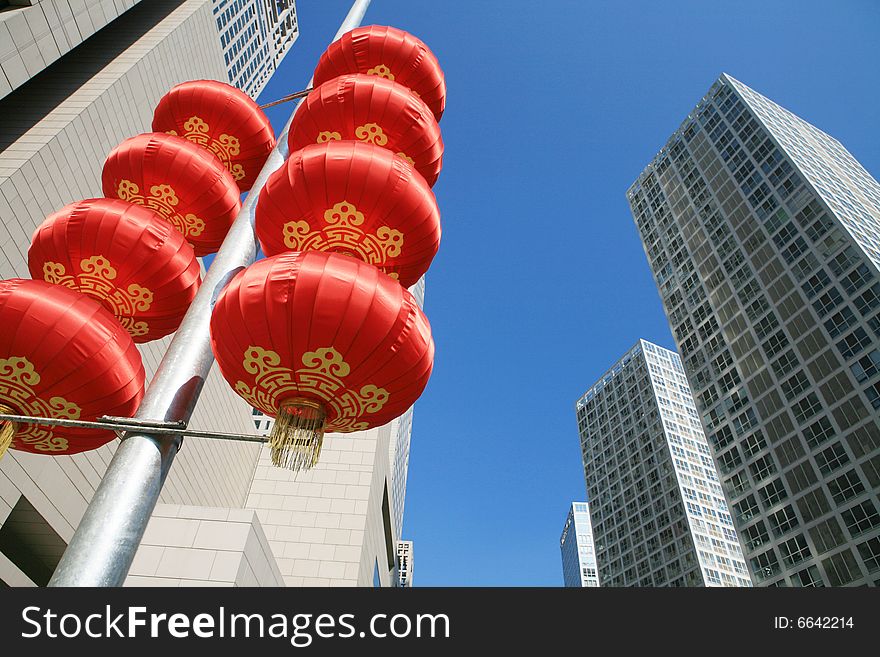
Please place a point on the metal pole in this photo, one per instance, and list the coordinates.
(103, 546)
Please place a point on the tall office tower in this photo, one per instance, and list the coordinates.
(658, 513)
(255, 36)
(576, 545)
(762, 233)
(55, 132)
(404, 564)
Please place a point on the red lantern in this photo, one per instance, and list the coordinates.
(222, 119)
(374, 110)
(62, 355)
(322, 341)
(351, 198)
(125, 256)
(388, 53)
(184, 183)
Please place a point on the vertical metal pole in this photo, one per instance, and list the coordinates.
(101, 551)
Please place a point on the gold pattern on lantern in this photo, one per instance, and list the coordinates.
(96, 280)
(382, 71)
(342, 233)
(17, 380)
(406, 157)
(322, 376)
(371, 133)
(162, 199)
(225, 147)
(327, 135)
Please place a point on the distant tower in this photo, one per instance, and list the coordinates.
(404, 564)
(659, 516)
(255, 36)
(763, 234)
(576, 545)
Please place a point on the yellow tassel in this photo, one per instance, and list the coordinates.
(7, 431)
(296, 438)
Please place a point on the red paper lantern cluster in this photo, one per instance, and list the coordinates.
(123, 269)
(322, 335)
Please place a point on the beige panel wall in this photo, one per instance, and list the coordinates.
(55, 133)
(325, 526)
(32, 37)
(204, 546)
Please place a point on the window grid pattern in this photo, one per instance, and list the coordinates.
(773, 301)
(658, 512)
(578, 552)
(255, 37)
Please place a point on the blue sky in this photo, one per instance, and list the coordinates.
(541, 283)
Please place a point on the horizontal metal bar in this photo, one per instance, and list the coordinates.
(149, 424)
(132, 424)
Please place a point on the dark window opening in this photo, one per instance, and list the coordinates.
(29, 542)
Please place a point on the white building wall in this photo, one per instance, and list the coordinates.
(204, 546)
(325, 525)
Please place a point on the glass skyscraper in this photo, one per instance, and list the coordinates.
(576, 544)
(763, 234)
(255, 36)
(658, 513)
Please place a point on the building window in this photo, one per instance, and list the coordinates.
(783, 521)
(762, 467)
(795, 385)
(806, 407)
(831, 458)
(773, 493)
(870, 551)
(795, 550)
(827, 535)
(765, 565)
(809, 577)
(845, 487)
(818, 432)
(861, 518)
(755, 536)
(854, 343)
(841, 568)
(746, 509)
